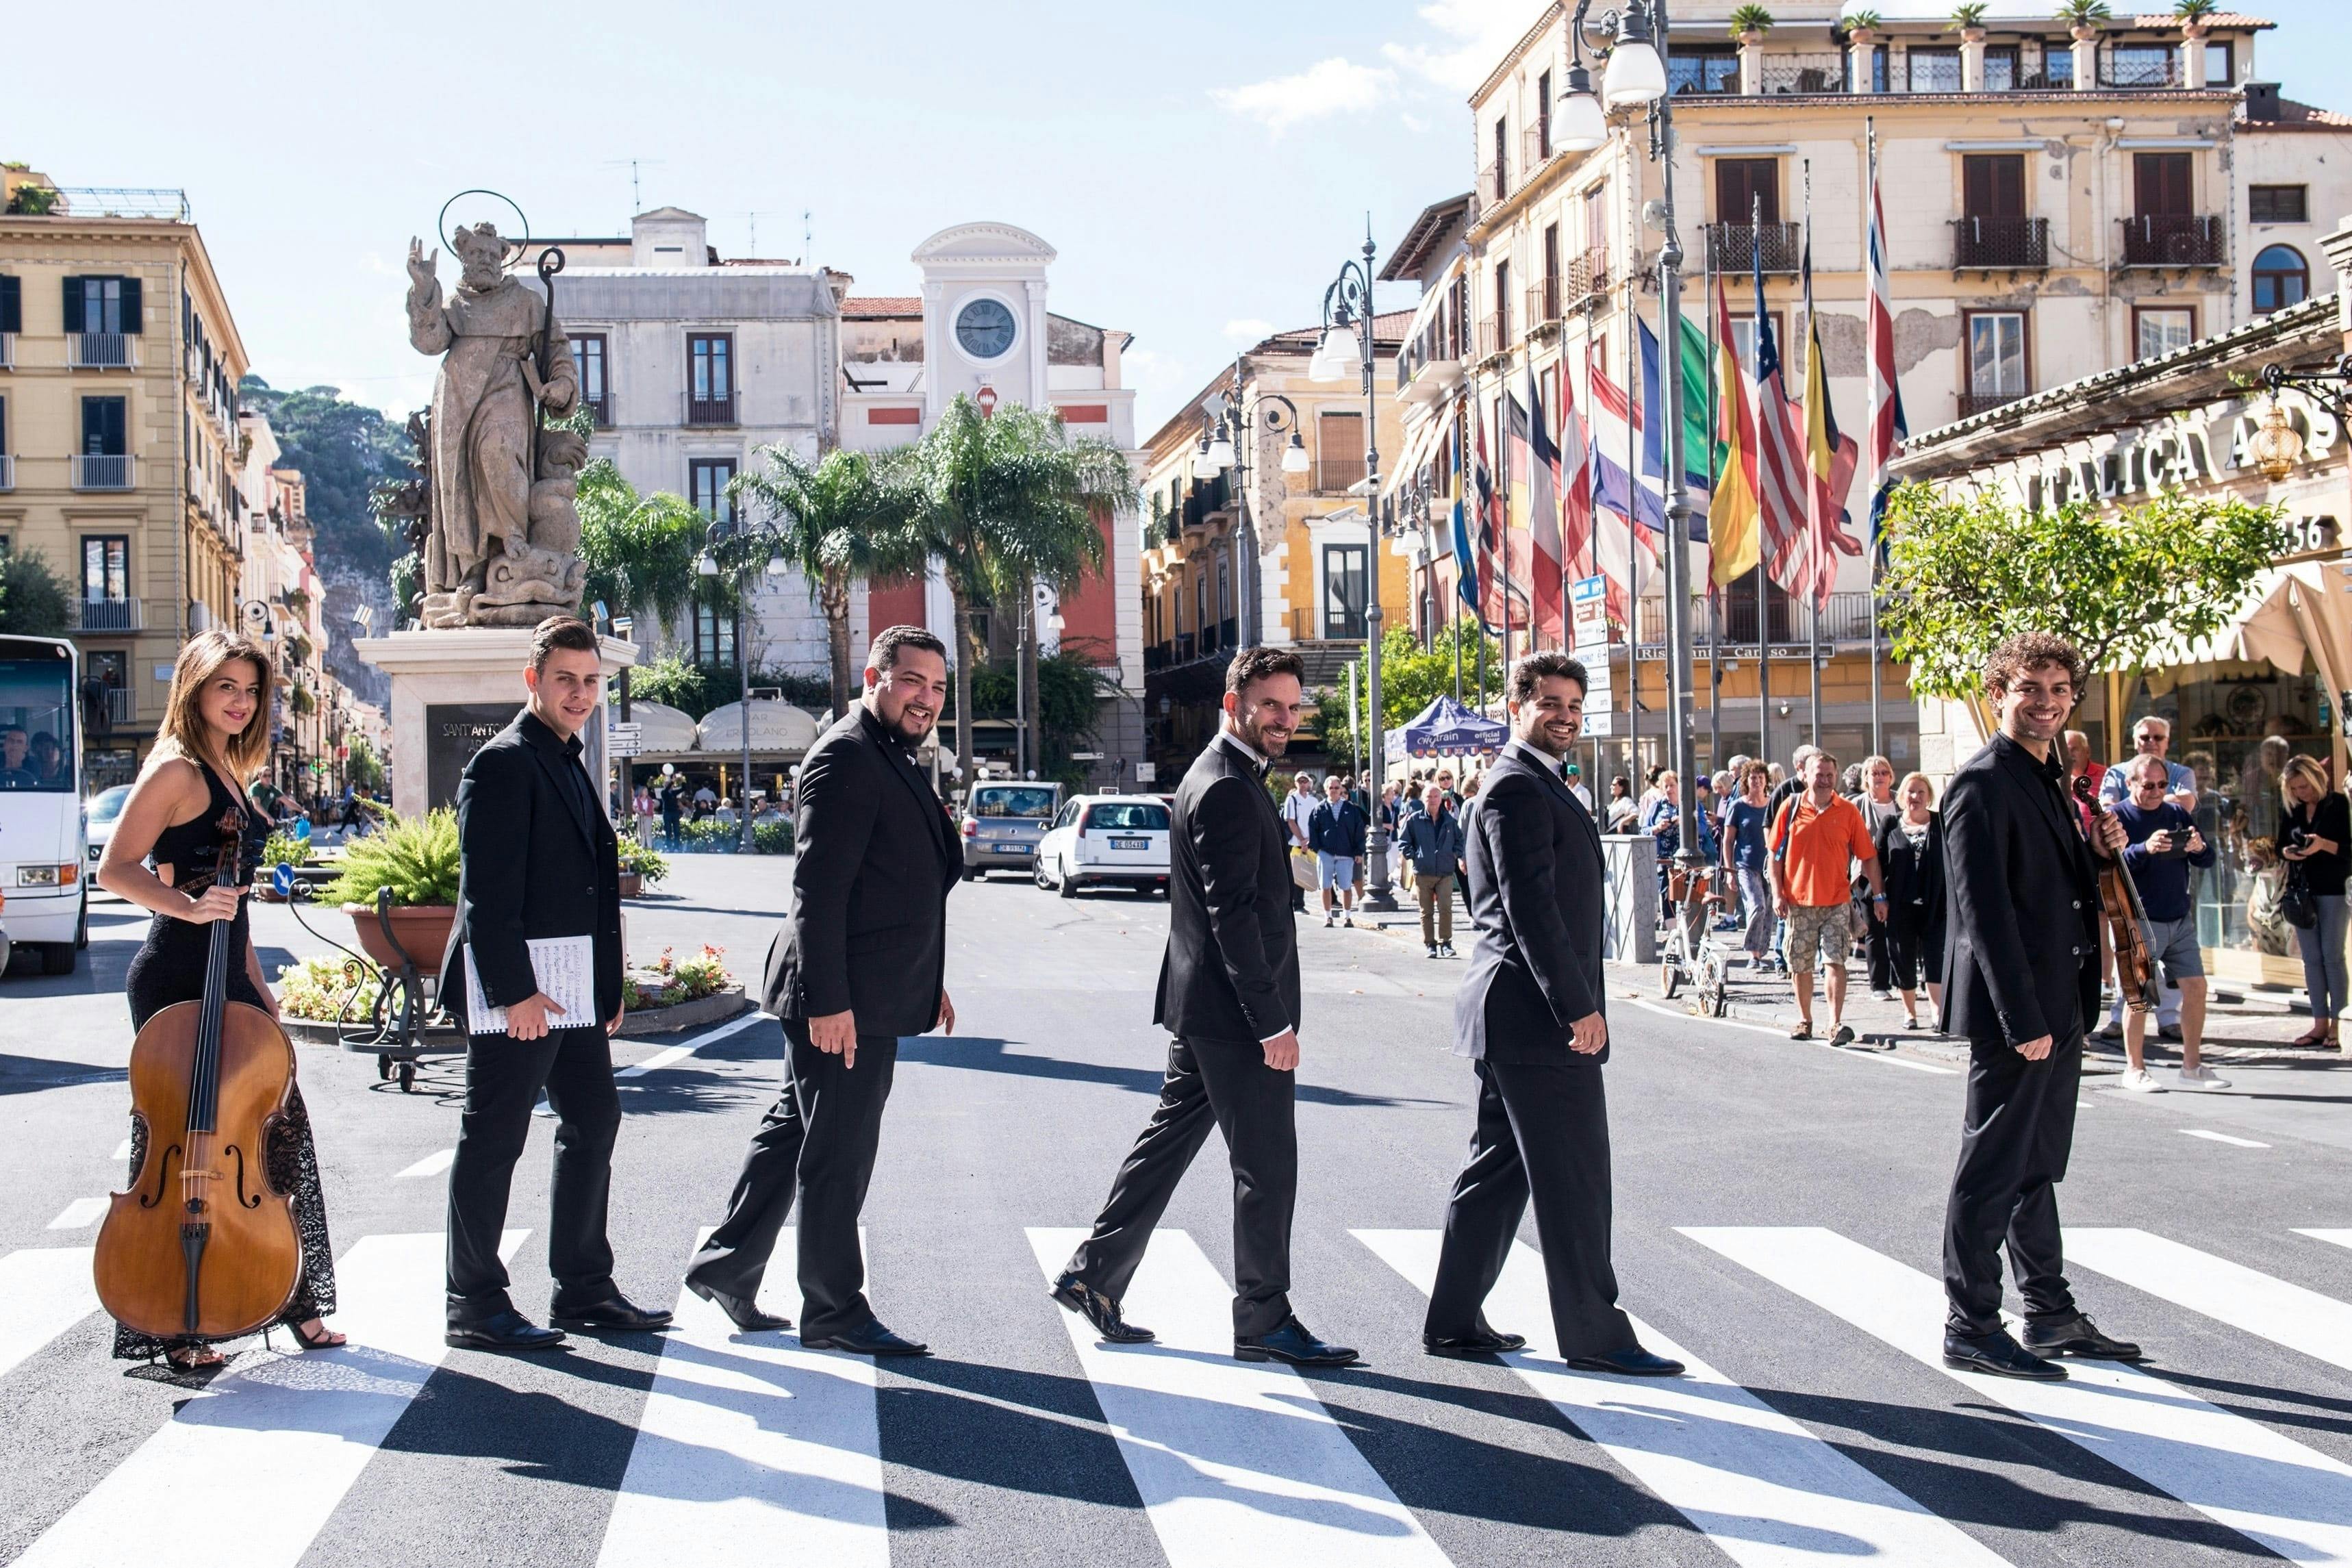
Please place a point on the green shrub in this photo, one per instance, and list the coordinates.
(283, 848)
(772, 837)
(416, 856)
(326, 990)
(636, 857)
(669, 980)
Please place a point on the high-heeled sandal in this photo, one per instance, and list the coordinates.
(327, 1338)
(194, 1358)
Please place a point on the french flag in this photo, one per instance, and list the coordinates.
(1615, 497)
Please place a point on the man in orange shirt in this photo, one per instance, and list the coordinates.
(1816, 837)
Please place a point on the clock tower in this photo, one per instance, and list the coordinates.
(984, 322)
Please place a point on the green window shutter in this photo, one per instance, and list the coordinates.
(73, 305)
(131, 316)
(12, 305)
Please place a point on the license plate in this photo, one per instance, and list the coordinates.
(1130, 843)
(1010, 848)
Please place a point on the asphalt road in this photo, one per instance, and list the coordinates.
(1778, 1215)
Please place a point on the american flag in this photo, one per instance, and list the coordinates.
(1780, 473)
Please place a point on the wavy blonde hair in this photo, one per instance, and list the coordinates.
(183, 730)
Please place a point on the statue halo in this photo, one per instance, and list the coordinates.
(517, 248)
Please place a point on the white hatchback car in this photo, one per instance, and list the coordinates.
(1097, 841)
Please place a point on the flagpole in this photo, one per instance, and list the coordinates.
(1763, 584)
(1812, 598)
(1713, 592)
(1871, 265)
(1461, 490)
(1633, 535)
(1503, 523)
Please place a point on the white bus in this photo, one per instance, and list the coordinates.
(43, 858)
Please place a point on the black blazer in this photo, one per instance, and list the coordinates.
(534, 862)
(1230, 971)
(1914, 877)
(2021, 901)
(1539, 897)
(874, 857)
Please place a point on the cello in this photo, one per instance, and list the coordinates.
(2119, 902)
(202, 1246)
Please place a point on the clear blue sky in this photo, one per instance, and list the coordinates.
(1198, 194)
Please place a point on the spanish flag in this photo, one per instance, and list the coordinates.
(1733, 516)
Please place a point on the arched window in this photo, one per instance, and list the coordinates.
(2282, 278)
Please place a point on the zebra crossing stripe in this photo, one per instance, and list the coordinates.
(2318, 1326)
(1764, 1489)
(1235, 1461)
(2293, 1500)
(433, 1164)
(44, 1291)
(754, 1450)
(275, 1442)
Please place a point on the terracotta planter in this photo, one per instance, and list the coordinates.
(1861, 37)
(2082, 35)
(1972, 35)
(1752, 37)
(632, 884)
(423, 929)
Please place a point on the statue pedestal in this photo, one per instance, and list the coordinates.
(451, 692)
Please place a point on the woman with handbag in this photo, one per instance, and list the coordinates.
(1911, 852)
(2314, 832)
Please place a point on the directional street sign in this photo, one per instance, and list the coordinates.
(625, 740)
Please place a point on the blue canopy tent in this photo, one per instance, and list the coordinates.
(1445, 728)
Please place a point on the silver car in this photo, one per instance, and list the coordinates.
(1004, 821)
(103, 811)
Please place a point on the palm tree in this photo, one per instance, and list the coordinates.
(1008, 500)
(639, 550)
(845, 518)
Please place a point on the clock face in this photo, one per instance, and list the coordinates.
(985, 328)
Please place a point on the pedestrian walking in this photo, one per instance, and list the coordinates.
(2161, 843)
(2315, 830)
(1299, 808)
(1745, 854)
(1911, 859)
(1816, 836)
(1336, 832)
(1434, 847)
(1876, 800)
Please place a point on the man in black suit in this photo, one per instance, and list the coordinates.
(1532, 1015)
(860, 960)
(538, 859)
(2020, 979)
(1229, 995)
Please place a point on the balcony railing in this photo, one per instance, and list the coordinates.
(1491, 338)
(95, 472)
(600, 409)
(106, 615)
(1845, 618)
(2146, 67)
(1996, 244)
(1492, 179)
(1796, 73)
(1735, 245)
(1207, 497)
(2174, 240)
(115, 703)
(102, 350)
(709, 410)
(1587, 275)
(1975, 402)
(1334, 475)
(8, 472)
(1543, 303)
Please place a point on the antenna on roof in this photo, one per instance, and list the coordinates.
(636, 202)
(808, 247)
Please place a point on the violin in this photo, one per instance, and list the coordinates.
(2119, 902)
(202, 1246)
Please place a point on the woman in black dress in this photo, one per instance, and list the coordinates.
(214, 736)
(1911, 854)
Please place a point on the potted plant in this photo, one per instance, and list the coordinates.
(640, 869)
(2083, 18)
(1862, 29)
(416, 857)
(2194, 16)
(1750, 22)
(1967, 20)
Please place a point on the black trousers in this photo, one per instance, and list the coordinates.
(1542, 1133)
(2015, 1135)
(503, 1079)
(819, 1139)
(1916, 947)
(1877, 947)
(1225, 1084)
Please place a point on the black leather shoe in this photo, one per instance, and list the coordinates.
(507, 1331)
(1996, 1353)
(1293, 1346)
(1098, 1309)
(1631, 1361)
(2077, 1336)
(742, 1310)
(615, 1311)
(869, 1338)
(1471, 1347)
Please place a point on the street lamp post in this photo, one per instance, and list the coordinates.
(1636, 77)
(1225, 441)
(1347, 315)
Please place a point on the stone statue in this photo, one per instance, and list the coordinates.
(502, 540)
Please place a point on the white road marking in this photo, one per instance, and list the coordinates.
(2294, 1500)
(80, 1213)
(678, 1053)
(2319, 1326)
(753, 1448)
(1758, 1484)
(1237, 1461)
(277, 1441)
(1892, 1058)
(44, 1291)
(2221, 1138)
(2334, 1238)
(433, 1164)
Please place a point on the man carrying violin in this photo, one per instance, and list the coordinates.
(2161, 844)
(2021, 981)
